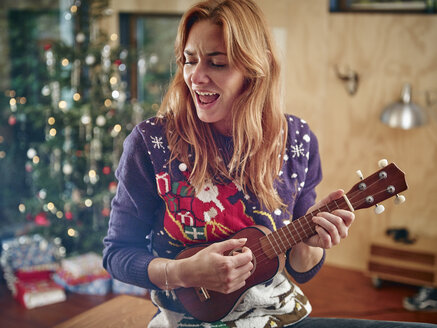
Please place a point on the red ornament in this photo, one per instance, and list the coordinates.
(118, 62)
(68, 215)
(112, 186)
(47, 46)
(106, 212)
(106, 170)
(41, 219)
(12, 120)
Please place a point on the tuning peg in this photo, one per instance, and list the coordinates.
(379, 209)
(382, 163)
(399, 199)
(360, 175)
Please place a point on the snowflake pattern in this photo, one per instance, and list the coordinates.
(297, 150)
(157, 142)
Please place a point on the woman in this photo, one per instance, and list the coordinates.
(220, 156)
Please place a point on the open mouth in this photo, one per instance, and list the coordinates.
(206, 98)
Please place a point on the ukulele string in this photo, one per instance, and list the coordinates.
(307, 231)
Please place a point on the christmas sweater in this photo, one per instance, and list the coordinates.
(156, 212)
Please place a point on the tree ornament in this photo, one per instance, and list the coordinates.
(80, 37)
(41, 219)
(67, 169)
(31, 153)
(90, 60)
(12, 120)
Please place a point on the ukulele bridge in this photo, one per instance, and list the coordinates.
(203, 294)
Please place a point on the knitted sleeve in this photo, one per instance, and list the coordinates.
(305, 200)
(126, 253)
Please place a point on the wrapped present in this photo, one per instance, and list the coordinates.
(84, 274)
(36, 293)
(98, 286)
(119, 287)
(89, 264)
(72, 280)
(28, 251)
(29, 258)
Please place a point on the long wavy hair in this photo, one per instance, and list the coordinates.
(259, 127)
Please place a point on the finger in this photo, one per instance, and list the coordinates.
(242, 258)
(223, 246)
(347, 216)
(324, 238)
(333, 225)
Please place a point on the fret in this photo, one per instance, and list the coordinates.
(291, 234)
(278, 247)
(281, 240)
(302, 228)
(310, 224)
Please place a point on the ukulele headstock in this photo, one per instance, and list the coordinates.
(385, 183)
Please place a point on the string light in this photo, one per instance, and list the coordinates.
(2, 154)
(73, 9)
(51, 120)
(88, 202)
(35, 159)
(76, 96)
(72, 233)
(22, 208)
(65, 62)
(50, 206)
(113, 80)
(52, 132)
(117, 128)
(23, 100)
(59, 214)
(114, 36)
(62, 104)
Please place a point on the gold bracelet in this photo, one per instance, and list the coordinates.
(166, 276)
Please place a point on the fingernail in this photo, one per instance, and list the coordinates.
(242, 240)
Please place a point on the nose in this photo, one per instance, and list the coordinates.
(199, 74)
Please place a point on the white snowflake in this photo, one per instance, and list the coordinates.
(297, 150)
(157, 142)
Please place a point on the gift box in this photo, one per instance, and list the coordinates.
(36, 293)
(96, 286)
(89, 264)
(29, 258)
(28, 251)
(84, 274)
(119, 287)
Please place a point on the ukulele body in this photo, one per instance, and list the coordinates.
(210, 306)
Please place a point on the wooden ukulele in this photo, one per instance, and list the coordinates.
(268, 247)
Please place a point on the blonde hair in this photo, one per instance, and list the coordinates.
(259, 127)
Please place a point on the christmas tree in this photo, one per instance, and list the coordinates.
(63, 141)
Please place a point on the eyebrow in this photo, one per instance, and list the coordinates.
(211, 54)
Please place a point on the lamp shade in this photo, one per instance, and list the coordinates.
(404, 114)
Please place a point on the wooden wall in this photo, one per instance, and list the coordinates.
(386, 50)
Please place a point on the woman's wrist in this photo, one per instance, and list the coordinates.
(303, 257)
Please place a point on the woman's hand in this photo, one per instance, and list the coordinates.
(331, 227)
(212, 270)
(208, 268)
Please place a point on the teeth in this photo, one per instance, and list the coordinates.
(206, 93)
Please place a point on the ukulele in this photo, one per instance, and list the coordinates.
(268, 248)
